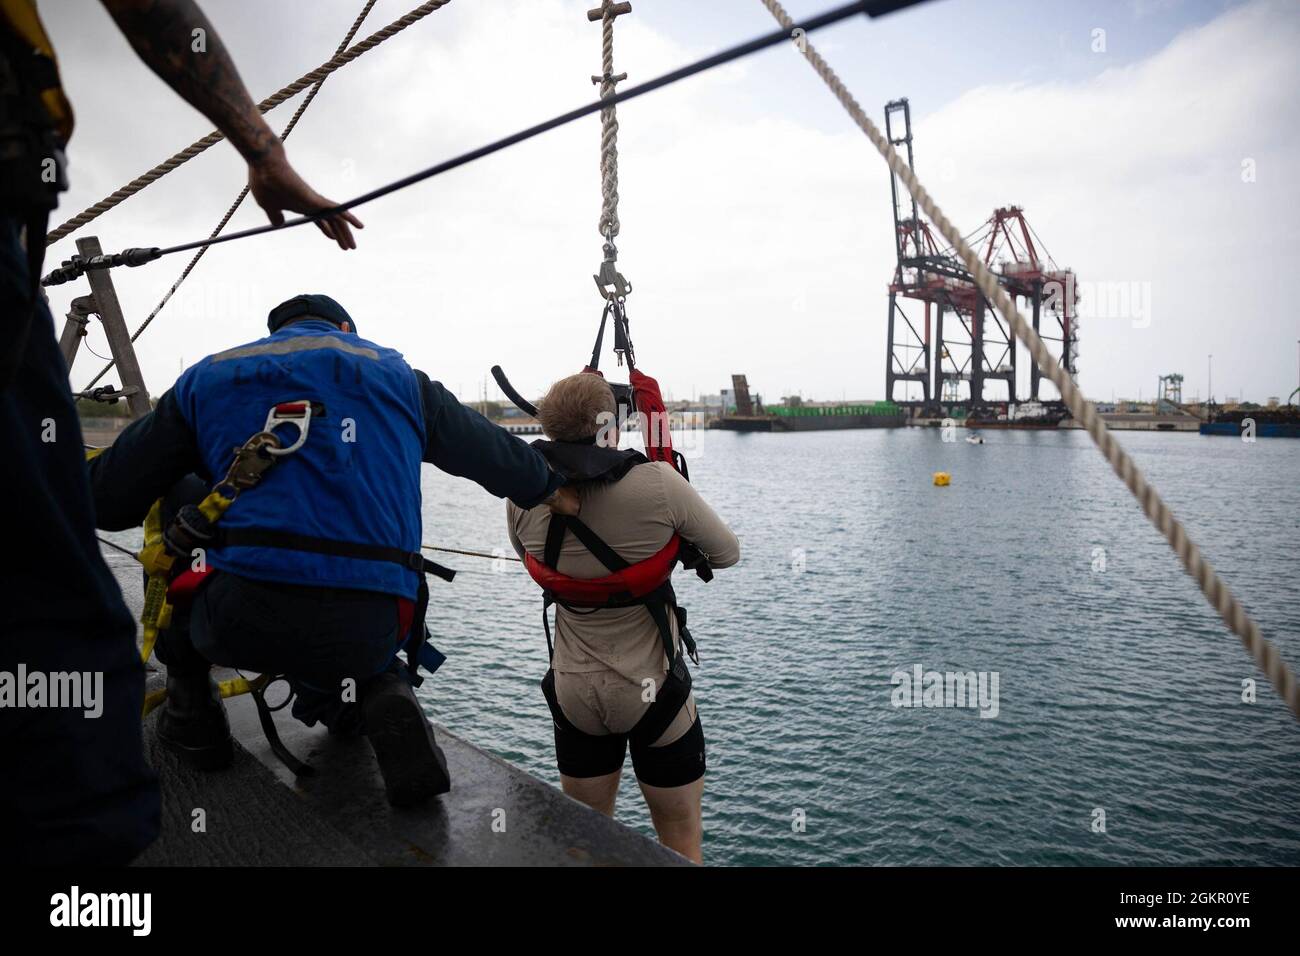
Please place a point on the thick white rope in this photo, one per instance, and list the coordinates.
(1216, 591)
(272, 101)
(609, 224)
(239, 200)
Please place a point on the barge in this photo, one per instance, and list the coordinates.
(1283, 422)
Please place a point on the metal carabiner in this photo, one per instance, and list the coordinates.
(252, 460)
(293, 413)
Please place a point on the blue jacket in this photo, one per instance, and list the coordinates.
(355, 479)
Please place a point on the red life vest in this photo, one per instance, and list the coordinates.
(627, 583)
(619, 588)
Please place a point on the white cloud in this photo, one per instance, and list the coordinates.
(756, 241)
(1136, 176)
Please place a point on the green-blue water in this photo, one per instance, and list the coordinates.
(1119, 688)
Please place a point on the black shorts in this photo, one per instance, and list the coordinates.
(673, 765)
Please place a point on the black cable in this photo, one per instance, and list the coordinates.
(872, 8)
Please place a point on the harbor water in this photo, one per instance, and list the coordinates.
(1120, 736)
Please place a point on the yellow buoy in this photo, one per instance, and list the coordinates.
(942, 478)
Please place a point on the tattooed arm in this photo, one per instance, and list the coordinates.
(163, 33)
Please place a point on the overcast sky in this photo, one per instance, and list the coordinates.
(1157, 158)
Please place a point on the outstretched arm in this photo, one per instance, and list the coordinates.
(462, 442)
(179, 43)
(151, 455)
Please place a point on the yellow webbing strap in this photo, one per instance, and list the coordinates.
(153, 699)
(229, 688)
(215, 505)
(157, 614)
(157, 564)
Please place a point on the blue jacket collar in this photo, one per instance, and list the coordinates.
(309, 326)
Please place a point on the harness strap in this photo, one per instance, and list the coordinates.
(669, 700)
(684, 633)
(553, 703)
(593, 542)
(258, 688)
(274, 538)
(594, 364)
(656, 602)
(419, 651)
(547, 601)
(554, 538)
(676, 686)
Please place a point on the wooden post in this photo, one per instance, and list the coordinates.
(119, 339)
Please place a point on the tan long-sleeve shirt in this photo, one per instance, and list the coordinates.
(635, 516)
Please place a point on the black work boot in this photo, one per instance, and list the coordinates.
(413, 765)
(192, 723)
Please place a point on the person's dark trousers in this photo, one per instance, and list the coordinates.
(74, 788)
(318, 637)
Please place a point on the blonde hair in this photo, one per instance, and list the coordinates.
(571, 410)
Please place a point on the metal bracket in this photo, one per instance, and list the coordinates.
(609, 280)
(294, 413)
(82, 308)
(74, 329)
(611, 283)
(108, 394)
(80, 264)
